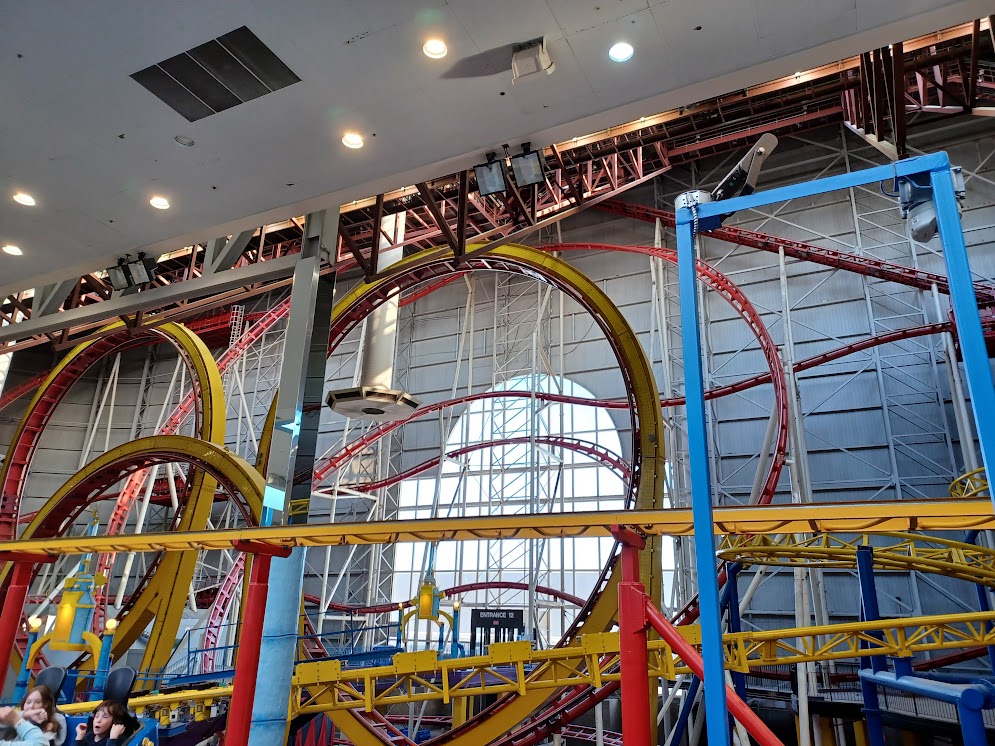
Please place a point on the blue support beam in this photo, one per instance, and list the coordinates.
(869, 612)
(965, 305)
(936, 168)
(716, 714)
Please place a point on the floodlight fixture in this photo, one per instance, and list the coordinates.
(143, 270)
(118, 275)
(490, 176)
(528, 166)
(128, 273)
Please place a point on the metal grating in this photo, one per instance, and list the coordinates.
(218, 75)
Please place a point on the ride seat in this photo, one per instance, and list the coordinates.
(117, 688)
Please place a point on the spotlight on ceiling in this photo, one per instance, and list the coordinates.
(490, 176)
(127, 273)
(12, 250)
(352, 140)
(159, 203)
(620, 52)
(23, 198)
(528, 166)
(435, 49)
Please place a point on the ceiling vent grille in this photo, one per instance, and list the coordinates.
(218, 75)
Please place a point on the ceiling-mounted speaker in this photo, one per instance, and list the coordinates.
(530, 59)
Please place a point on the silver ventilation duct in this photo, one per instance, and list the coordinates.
(375, 398)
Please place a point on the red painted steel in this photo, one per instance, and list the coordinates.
(10, 616)
(737, 707)
(244, 685)
(862, 265)
(22, 389)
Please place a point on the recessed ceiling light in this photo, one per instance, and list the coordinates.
(435, 48)
(24, 199)
(12, 250)
(620, 52)
(159, 203)
(352, 140)
(184, 140)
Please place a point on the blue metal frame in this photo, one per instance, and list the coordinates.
(870, 612)
(969, 332)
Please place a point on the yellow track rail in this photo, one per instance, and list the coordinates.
(880, 517)
(325, 686)
(649, 467)
(906, 552)
(972, 484)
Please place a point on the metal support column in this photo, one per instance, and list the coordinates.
(869, 612)
(250, 641)
(965, 305)
(13, 604)
(292, 451)
(701, 494)
(735, 623)
(633, 657)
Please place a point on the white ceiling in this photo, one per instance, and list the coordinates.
(92, 145)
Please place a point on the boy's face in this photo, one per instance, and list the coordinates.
(102, 722)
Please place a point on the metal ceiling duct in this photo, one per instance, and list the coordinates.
(375, 398)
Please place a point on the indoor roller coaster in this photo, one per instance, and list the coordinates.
(533, 693)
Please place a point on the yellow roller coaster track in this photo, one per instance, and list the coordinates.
(904, 552)
(972, 484)
(880, 517)
(161, 604)
(326, 686)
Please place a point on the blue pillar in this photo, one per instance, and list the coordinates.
(103, 663)
(454, 643)
(735, 623)
(278, 650)
(292, 452)
(701, 495)
(685, 714)
(965, 305)
(24, 676)
(869, 612)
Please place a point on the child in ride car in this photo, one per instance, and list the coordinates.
(109, 722)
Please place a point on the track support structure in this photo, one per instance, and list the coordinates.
(247, 667)
(13, 603)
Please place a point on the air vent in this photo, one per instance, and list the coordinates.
(218, 75)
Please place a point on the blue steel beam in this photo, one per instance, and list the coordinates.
(709, 215)
(965, 305)
(716, 715)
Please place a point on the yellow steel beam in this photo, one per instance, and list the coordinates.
(878, 516)
(904, 552)
(154, 700)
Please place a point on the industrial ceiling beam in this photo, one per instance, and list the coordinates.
(221, 257)
(153, 298)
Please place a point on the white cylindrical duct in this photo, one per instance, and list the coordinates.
(381, 325)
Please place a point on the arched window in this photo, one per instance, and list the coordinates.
(546, 456)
